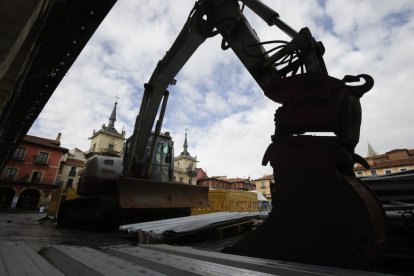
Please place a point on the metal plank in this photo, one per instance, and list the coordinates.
(18, 259)
(173, 264)
(75, 260)
(162, 230)
(186, 223)
(257, 264)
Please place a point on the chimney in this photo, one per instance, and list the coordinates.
(58, 137)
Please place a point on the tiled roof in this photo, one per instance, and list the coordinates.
(382, 160)
(396, 150)
(76, 162)
(213, 178)
(44, 142)
(233, 180)
(266, 177)
(201, 173)
(388, 164)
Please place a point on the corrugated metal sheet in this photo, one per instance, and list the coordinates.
(19, 259)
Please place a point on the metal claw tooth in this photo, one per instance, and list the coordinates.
(359, 90)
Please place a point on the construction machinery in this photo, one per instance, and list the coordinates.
(321, 213)
(109, 195)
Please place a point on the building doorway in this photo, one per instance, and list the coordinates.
(6, 197)
(28, 199)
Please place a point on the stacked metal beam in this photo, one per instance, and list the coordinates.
(162, 230)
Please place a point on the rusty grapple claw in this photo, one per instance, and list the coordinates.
(359, 90)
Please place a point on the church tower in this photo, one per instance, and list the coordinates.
(107, 141)
(371, 151)
(185, 166)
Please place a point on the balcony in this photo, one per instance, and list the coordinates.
(41, 159)
(72, 173)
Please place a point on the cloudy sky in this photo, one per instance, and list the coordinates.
(228, 118)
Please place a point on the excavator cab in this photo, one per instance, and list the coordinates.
(162, 164)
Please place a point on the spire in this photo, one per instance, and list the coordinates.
(112, 118)
(185, 152)
(371, 151)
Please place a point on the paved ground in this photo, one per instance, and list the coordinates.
(27, 227)
(30, 228)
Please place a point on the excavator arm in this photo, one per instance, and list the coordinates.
(184, 46)
(208, 18)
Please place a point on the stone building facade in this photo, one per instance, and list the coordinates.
(185, 166)
(107, 141)
(263, 185)
(394, 161)
(71, 166)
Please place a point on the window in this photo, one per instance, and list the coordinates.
(36, 177)
(42, 157)
(181, 180)
(72, 171)
(359, 174)
(108, 162)
(263, 185)
(373, 172)
(19, 153)
(10, 173)
(403, 170)
(110, 147)
(388, 171)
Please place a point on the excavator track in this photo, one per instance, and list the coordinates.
(137, 200)
(104, 213)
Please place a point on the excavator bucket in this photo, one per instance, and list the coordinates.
(140, 193)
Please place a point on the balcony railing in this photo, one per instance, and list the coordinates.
(72, 173)
(39, 161)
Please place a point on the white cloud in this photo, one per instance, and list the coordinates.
(229, 120)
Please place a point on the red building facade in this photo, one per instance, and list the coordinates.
(29, 176)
